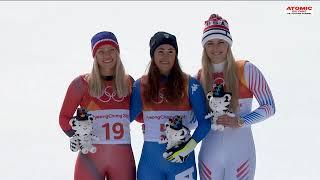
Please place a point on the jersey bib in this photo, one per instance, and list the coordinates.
(112, 126)
(154, 128)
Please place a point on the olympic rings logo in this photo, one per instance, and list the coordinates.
(161, 97)
(109, 94)
(217, 81)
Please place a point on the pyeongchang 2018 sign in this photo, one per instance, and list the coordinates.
(299, 9)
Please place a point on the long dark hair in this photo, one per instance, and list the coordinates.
(174, 86)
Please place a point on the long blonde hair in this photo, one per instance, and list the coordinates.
(96, 83)
(230, 77)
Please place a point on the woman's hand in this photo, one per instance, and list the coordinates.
(227, 121)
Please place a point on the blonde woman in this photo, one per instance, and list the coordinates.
(230, 154)
(104, 93)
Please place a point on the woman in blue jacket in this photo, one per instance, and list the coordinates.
(166, 92)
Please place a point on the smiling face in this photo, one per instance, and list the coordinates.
(164, 57)
(106, 57)
(216, 50)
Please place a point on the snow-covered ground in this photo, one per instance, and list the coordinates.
(44, 45)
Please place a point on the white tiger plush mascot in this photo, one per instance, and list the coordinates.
(219, 102)
(176, 135)
(83, 137)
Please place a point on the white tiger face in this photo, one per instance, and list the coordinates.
(219, 104)
(82, 127)
(175, 137)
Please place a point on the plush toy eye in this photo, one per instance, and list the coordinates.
(182, 133)
(228, 97)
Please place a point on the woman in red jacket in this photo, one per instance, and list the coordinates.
(104, 93)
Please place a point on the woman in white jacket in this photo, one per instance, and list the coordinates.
(230, 154)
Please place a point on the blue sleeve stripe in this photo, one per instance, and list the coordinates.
(259, 87)
(253, 116)
(266, 109)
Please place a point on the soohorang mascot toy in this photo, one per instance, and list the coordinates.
(83, 136)
(177, 135)
(219, 102)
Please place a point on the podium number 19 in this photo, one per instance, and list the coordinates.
(117, 129)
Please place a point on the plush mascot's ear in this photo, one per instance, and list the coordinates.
(72, 122)
(227, 97)
(209, 95)
(90, 117)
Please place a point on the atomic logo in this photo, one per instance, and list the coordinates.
(299, 9)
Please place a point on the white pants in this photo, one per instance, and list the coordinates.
(227, 155)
